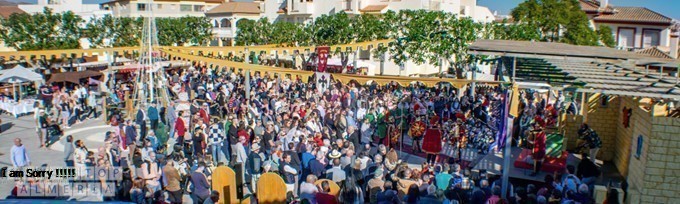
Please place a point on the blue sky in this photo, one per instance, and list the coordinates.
(670, 8)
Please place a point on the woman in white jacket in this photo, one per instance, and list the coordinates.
(79, 159)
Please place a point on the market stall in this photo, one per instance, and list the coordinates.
(18, 76)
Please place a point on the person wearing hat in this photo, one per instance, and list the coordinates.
(254, 166)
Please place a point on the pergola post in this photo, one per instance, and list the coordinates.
(514, 65)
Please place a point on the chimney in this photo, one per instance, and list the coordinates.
(604, 4)
(675, 40)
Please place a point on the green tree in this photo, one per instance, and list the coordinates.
(40, 31)
(108, 31)
(253, 32)
(283, 33)
(605, 34)
(557, 20)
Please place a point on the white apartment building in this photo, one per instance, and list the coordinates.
(161, 8)
(301, 11)
(635, 28)
(86, 11)
(226, 16)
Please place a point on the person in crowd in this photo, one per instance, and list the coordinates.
(214, 198)
(612, 197)
(172, 180)
(591, 140)
(587, 171)
(69, 149)
(201, 185)
(19, 154)
(308, 190)
(324, 196)
(336, 174)
(139, 193)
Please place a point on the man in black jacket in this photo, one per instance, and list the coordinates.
(353, 136)
(254, 166)
(232, 135)
(587, 171)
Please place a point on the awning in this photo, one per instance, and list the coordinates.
(73, 77)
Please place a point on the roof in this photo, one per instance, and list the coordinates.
(596, 76)
(73, 77)
(236, 7)
(373, 8)
(593, 6)
(531, 49)
(548, 48)
(206, 1)
(635, 15)
(6, 11)
(654, 52)
(19, 74)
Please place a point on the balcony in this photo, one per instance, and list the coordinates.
(301, 8)
(223, 32)
(348, 6)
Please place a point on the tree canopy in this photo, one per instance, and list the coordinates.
(557, 20)
(41, 31)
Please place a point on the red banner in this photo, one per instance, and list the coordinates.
(322, 53)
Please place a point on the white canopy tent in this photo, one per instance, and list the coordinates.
(19, 74)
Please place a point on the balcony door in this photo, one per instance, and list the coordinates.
(626, 37)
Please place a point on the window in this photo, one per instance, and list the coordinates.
(198, 8)
(626, 37)
(225, 23)
(141, 7)
(638, 147)
(185, 8)
(650, 37)
(160, 6)
(604, 100)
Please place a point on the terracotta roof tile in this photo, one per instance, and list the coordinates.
(593, 6)
(654, 52)
(236, 7)
(373, 8)
(6, 11)
(635, 14)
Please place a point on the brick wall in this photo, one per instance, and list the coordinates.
(661, 180)
(568, 126)
(628, 165)
(603, 119)
(654, 176)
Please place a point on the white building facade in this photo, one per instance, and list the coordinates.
(86, 11)
(161, 8)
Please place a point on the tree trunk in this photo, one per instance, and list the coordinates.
(459, 71)
(344, 59)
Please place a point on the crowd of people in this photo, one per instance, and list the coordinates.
(347, 133)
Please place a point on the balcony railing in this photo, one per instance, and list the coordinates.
(223, 32)
(301, 8)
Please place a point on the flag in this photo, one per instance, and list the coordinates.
(504, 121)
(514, 101)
